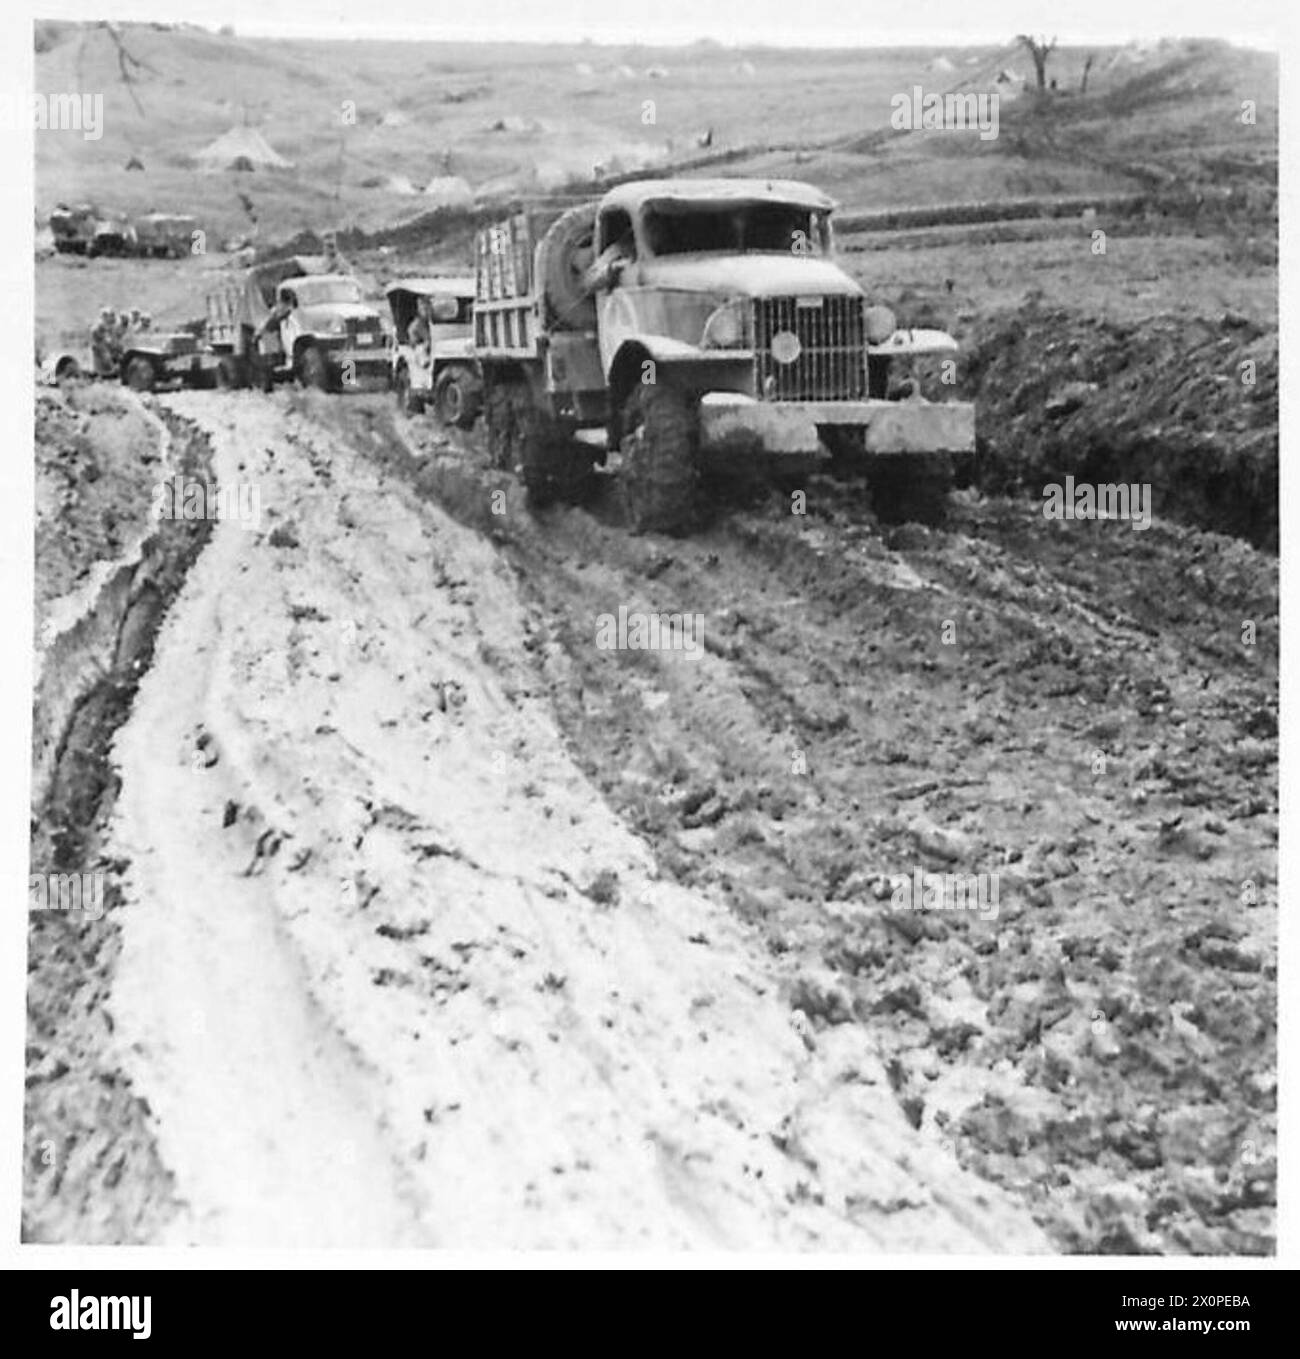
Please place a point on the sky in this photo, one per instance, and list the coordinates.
(811, 23)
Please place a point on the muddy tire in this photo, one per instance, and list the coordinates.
(556, 467)
(910, 489)
(312, 369)
(139, 374)
(660, 476)
(232, 373)
(563, 257)
(458, 396)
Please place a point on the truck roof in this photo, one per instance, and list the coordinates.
(427, 287)
(636, 194)
(318, 278)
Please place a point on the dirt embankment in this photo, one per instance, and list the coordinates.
(106, 573)
(1189, 407)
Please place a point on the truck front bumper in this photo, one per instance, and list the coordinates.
(736, 423)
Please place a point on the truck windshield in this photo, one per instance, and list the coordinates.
(736, 228)
(316, 292)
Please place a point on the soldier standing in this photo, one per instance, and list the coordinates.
(105, 350)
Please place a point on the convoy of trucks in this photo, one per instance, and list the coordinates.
(671, 323)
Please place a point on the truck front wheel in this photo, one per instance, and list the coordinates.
(313, 371)
(139, 374)
(660, 476)
(457, 397)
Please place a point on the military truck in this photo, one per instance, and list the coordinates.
(444, 372)
(73, 228)
(692, 319)
(145, 361)
(112, 234)
(323, 333)
(165, 235)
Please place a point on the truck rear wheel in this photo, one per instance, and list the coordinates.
(660, 476)
(500, 417)
(555, 466)
(552, 464)
(231, 373)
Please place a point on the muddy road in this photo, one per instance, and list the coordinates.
(444, 924)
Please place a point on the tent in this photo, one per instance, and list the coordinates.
(399, 184)
(242, 148)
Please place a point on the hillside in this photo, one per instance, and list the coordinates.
(517, 119)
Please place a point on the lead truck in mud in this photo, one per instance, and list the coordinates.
(692, 320)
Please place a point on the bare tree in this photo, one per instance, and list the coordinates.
(128, 63)
(1039, 49)
(1087, 66)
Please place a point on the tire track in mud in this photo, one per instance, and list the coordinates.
(92, 1173)
(1090, 727)
(413, 930)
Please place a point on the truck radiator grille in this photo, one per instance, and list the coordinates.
(831, 359)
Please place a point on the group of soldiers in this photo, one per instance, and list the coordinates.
(110, 333)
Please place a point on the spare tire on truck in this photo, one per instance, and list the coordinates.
(564, 255)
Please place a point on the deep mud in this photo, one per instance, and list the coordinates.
(443, 925)
(1070, 705)
(1188, 407)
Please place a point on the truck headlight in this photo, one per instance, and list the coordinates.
(728, 327)
(880, 323)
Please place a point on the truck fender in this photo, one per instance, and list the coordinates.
(628, 362)
(60, 366)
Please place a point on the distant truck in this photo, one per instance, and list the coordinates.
(73, 228)
(293, 319)
(692, 318)
(113, 235)
(442, 372)
(84, 230)
(165, 235)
